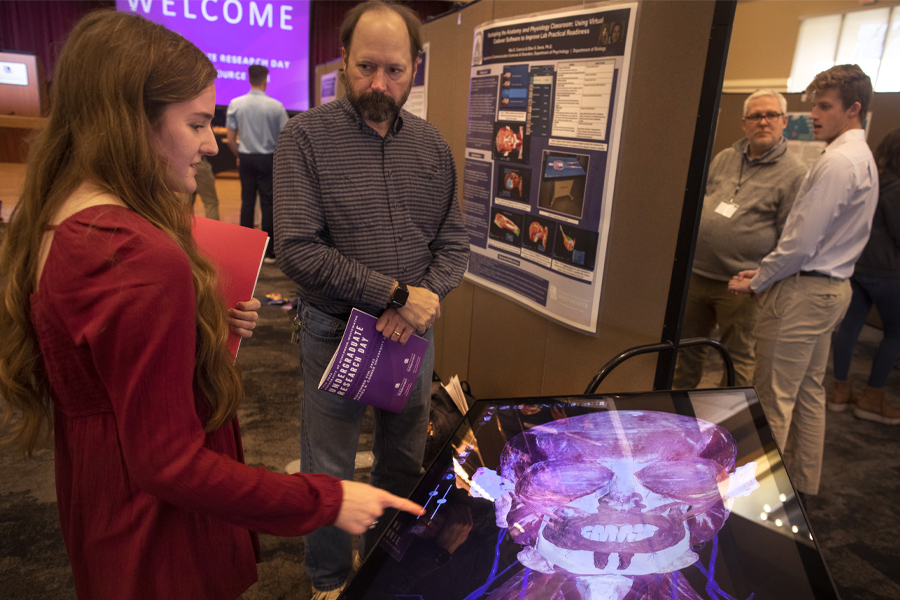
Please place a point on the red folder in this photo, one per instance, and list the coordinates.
(238, 254)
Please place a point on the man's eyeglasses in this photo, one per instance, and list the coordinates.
(769, 116)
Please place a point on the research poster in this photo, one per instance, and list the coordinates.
(417, 103)
(546, 98)
(800, 138)
(329, 83)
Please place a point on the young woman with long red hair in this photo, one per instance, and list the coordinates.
(114, 332)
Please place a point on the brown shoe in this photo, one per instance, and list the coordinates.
(872, 406)
(842, 398)
(329, 595)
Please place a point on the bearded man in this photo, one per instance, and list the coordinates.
(366, 217)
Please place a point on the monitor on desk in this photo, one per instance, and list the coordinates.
(20, 84)
(660, 495)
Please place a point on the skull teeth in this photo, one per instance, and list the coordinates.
(622, 533)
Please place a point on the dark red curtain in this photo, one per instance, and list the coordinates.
(41, 27)
(325, 20)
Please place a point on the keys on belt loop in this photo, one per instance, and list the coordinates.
(296, 324)
(295, 330)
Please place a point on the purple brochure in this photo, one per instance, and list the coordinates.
(371, 368)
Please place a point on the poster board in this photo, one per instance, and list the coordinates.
(417, 103)
(324, 71)
(546, 101)
(505, 349)
(328, 83)
(801, 140)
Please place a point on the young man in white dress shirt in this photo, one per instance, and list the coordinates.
(806, 277)
(749, 192)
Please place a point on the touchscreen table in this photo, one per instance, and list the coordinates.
(662, 495)
(559, 167)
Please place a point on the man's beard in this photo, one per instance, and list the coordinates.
(374, 107)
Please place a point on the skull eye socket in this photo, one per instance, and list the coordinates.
(561, 481)
(694, 481)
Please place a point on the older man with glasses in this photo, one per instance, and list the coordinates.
(749, 192)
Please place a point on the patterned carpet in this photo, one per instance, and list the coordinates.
(856, 514)
(856, 517)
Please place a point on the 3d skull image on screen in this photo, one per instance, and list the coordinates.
(609, 501)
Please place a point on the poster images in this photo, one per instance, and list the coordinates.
(575, 247)
(477, 50)
(612, 33)
(511, 142)
(506, 227)
(563, 179)
(514, 83)
(513, 183)
(541, 235)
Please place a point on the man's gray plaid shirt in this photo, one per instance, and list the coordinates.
(355, 211)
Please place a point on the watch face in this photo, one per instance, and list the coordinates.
(399, 297)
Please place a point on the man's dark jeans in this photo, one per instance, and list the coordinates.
(256, 177)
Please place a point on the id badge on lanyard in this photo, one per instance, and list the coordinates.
(727, 209)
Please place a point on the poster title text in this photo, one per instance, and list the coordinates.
(543, 31)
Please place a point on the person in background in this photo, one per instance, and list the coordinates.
(749, 193)
(252, 124)
(876, 280)
(206, 188)
(805, 276)
(114, 330)
(366, 217)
